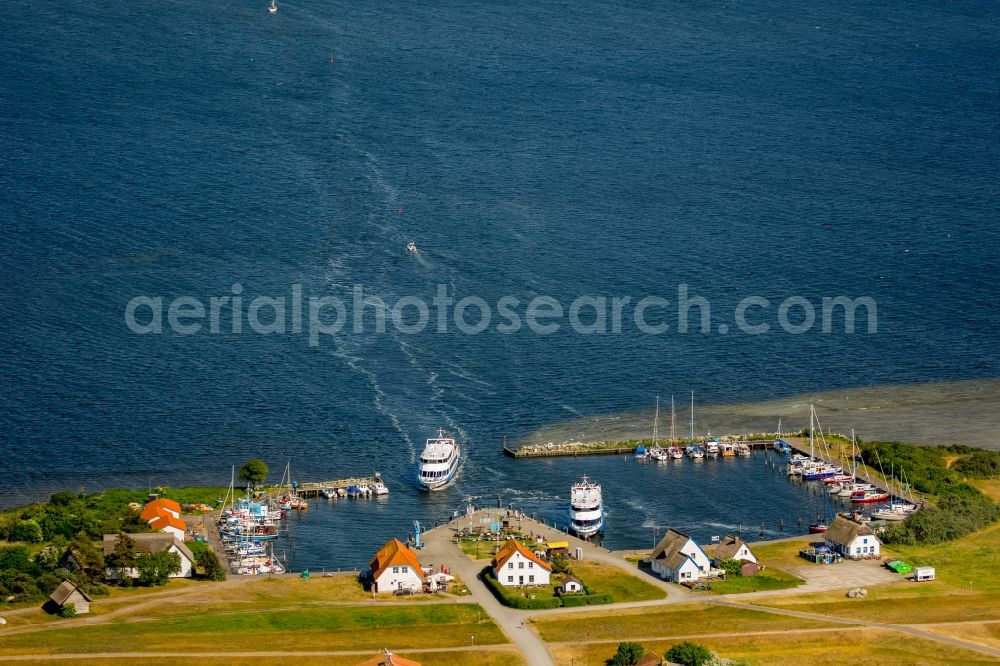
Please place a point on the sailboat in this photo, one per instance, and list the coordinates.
(674, 451)
(657, 452)
(272, 8)
(694, 451)
(291, 499)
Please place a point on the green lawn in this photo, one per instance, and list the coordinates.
(769, 579)
(608, 579)
(855, 645)
(320, 628)
(684, 619)
(477, 550)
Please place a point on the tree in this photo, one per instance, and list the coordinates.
(14, 558)
(628, 654)
(561, 565)
(688, 654)
(731, 567)
(123, 558)
(87, 556)
(209, 563)
(26, 530)
(63, 498)
(156, 568)
(254, 472)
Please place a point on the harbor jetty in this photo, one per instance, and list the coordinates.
(606, 448)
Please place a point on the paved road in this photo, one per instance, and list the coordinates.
(440, 549)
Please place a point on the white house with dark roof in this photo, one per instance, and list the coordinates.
(572, 585)
(679, 559)
(852, 539)
(734, 548)
(152, 542)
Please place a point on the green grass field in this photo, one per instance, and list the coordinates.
(855, 646)
(317, 628)
(687, 619)
(479, 657)
(768, 580)
(607, 579)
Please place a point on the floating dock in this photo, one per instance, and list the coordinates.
(311, 489)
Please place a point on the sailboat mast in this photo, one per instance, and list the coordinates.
(656, 419)
(692, 417)
(854, 457)
(672, 415)
(812, 429)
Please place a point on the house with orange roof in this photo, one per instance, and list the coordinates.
(170, 524)
(395, 569)
(516, 565)
(160, 505)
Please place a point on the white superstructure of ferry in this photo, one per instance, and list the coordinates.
(438, 462)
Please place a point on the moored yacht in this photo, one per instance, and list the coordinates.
(586, 510)
(695, 452)
(438, 461)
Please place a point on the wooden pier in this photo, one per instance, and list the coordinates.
(311, 489)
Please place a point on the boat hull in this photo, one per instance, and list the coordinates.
(588, 531)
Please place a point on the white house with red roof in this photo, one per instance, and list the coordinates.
(395, 568)
(515, 565)
(164, 515)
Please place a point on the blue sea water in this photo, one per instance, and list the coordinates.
(562, 149)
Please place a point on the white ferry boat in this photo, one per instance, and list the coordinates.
(438, 462)
(586, 511)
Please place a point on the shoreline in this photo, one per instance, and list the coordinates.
(962, 412)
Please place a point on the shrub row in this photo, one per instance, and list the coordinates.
(571, 600)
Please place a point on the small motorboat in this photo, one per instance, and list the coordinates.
(411, 247)
(272, 8)
(329, 493)
(818, 527)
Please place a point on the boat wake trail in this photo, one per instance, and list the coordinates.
(379, 396)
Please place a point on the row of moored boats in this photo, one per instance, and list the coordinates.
(840, 482)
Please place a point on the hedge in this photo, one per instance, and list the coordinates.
(516, 601)
(570, 600)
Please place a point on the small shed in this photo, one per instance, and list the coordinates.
(68, 594)
(650, 659)
(572, 586)
(749, 569)
(923, 573)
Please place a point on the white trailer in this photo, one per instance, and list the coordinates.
(923, 573)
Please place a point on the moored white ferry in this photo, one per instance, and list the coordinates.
(586, 511)
(438, 462)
